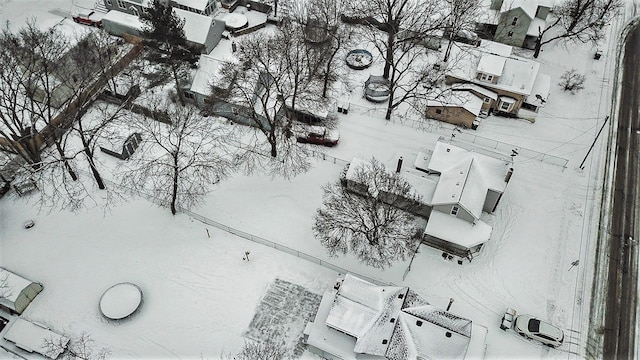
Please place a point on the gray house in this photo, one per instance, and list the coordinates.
(516, 22)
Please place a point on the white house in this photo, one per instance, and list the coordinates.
(360, 320)
(471, 181)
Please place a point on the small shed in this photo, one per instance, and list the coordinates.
(16, 292)
(31, 337)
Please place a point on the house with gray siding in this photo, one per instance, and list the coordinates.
(514, 22)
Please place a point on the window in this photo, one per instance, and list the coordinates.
(438, 111)
(505, 106)
(486, 77)
(121, 4)
(134, 11)
(454, 210)
(109, 2)
(515, 20)
(189, 95)
(510, 33)
(487, 99)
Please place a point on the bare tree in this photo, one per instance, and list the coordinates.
(327, 35)
(418, 19)
(462, 16)
(179, 162)
(82, 347)
(365, 224)
(263, 350)
(399, 30)
(572, 81)
(271, 81)
(578, 20)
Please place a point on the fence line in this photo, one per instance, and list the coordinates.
(440, 126)
(248, 236)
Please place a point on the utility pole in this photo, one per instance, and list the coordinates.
(594, 143)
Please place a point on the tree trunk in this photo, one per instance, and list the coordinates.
(447, 53)
(538, 47)
(65, 161)
(94, 169)
(389, 56)
(174, 190)
(175, 78)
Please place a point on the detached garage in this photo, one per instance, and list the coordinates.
(16, 292)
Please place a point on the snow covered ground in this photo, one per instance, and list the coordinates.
(200, 295)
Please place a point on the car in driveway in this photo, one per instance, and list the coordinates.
(87, 17)
(532, 328)
(318, 135)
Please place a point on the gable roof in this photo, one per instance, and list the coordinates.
(515, 74)
(411, 326)
(462, 98)
(457, 231)
(491, 166)
(208, 68)
(462, 183)
(363, 310)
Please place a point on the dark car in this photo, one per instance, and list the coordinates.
(532, 328)
(3, 323)
(319, 135)
(87, 17)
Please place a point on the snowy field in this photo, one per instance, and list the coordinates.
(200, 296)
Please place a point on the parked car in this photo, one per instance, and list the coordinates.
(319, 135)
(536, 329)
(87, 17)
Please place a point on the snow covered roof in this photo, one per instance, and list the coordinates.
(195, 4)
(122, 18)
(541, 87)
(491, 64)
(14, 285)
(517, 75)
(491, 166)
(464, 99)
(462, 183)
(31, 337)
(473, 87)
(394, 322)
(423, 185)
(457, 231)
(363, 310)
(433, 333)
(196, 26)
(496, 48)
(208, 68)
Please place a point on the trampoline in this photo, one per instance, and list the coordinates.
(359, 59)
(377, 89)
(120, 301)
